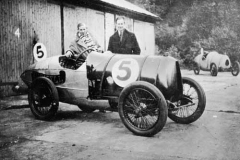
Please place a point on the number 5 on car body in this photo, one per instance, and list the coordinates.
(125, 71)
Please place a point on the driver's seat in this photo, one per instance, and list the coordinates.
(70, 63)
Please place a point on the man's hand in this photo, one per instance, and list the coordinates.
(99, 50)
(68, 54)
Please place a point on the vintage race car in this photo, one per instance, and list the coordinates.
(213, 61)
(145, 90)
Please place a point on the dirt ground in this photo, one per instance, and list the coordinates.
(94, 136)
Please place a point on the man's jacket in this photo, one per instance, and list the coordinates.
(80, 44)
(128, 45)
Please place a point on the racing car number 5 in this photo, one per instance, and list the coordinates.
(125, 71)
(39, 52)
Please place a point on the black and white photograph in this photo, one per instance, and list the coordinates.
(119, 80)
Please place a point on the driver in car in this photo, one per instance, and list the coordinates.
(84, 41)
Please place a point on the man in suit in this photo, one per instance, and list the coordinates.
(123, 41)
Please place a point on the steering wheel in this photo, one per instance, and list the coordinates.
(81, 55)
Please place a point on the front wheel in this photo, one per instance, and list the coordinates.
(142, 108)
(191, 105)
(43, 98)
(235, 68)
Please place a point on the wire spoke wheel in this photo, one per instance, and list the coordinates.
(191, 105)
(187, 105)
(142, 108)
(43, 98)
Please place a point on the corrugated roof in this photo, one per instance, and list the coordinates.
(129, 6)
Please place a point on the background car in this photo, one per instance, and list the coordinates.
(213, 61)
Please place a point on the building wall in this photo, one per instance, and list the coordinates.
(25, 22)
(145, 35)
(20, 22)
(109, 27)
(95, 23)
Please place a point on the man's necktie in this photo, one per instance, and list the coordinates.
(121, 35)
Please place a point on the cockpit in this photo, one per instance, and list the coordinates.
(93, 59)
(70, 63)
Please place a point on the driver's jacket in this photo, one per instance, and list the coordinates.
(81, 43)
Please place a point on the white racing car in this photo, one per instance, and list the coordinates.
(213, 61)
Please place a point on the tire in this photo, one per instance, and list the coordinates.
(235, 68)
(196, 68)
(142, 102)
(86, 109)
(113, 104)
(188, 114)
(43, 98)
(214, 69)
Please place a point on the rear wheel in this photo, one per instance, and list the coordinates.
(43, 98)
(191, 105)
(235, 68)
(113, 104)
(142, 108)
(213, 69)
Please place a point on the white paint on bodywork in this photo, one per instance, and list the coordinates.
(213, 57)
(76, 82)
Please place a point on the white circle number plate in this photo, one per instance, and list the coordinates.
(39, 52)
(125, 71)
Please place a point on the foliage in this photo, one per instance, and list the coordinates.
(188, 25)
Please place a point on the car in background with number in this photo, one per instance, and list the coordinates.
(145, 90)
